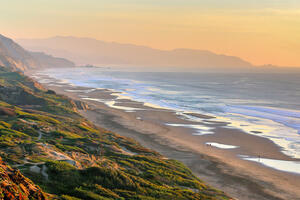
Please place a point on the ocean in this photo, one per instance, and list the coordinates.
(266, 105)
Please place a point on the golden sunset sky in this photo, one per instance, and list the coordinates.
(260, 31)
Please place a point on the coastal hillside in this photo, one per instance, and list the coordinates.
(15, 57)
(48, 61)
(91, 51)
(43, 136)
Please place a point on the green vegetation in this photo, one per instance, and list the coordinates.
(43, 135)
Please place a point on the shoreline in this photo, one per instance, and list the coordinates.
(220, 168)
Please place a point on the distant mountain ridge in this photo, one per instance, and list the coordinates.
(15, 57)
(91, 51)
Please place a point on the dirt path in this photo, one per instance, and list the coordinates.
(40, 135)
(44, 173)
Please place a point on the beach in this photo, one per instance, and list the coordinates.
(163, 130)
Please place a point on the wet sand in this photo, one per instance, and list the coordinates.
(220, 168)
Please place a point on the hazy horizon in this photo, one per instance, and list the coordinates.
(96, 52)
(140, 45)
(90, 51)
(151, 47)
(261, 32)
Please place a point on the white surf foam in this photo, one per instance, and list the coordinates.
(290, 118)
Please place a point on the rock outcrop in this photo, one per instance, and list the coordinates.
(13, 185)
(80, 105)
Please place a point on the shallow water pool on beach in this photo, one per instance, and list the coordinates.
(281, 165)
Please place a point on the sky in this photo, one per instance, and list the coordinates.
(259, 31)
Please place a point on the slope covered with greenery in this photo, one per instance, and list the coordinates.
(42, 134)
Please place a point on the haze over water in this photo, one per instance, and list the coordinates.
(265, 105)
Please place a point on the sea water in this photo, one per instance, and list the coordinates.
(267, 105)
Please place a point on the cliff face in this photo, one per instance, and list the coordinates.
(13, 185)
(15, 57)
